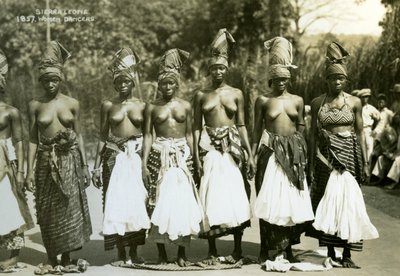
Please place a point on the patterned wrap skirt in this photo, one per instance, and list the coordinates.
(173, 203)
(224, 189)
(342, 154)
(14, 210)
(61, 201)
(283, 202)
(113, 147)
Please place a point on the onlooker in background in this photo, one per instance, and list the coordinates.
(395, 107)
(370, 116)
(388, 163)
(386, 116)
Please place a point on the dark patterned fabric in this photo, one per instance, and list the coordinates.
(279, 237)
(343, 152)
(12, 241)
(108, 156)
(227, 139)
(61, 202)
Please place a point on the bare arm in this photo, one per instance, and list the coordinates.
(243, 135)
(33, 144)
(358, 126)
(241, 126)
(197, 126)
(147, 134)
(312, 142)
(16, 134)
(258, 124)
(300, 124)
(189, 134)
(77, 128)
(104, 130)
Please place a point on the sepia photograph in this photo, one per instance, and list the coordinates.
(199, 137)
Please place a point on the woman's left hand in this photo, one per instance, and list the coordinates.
(251, 170)
(86, 176)
(366, 172)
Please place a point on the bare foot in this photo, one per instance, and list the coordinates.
(8, 263)
(183, 262)
(117, 263)
(348, 263)
(65, 260)
(137, 260)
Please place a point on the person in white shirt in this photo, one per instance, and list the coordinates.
(370, 116)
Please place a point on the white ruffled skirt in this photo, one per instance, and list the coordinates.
(279, 202)
(342, 211)
(125, 203)
(222, 191)
(177, 211)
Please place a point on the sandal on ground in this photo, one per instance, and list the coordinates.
(82, 265)
(43, 269)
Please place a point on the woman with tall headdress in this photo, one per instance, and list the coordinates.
(283, 202)
(219, 148)
(14, 211)
(173, 203)
(338, 161)
(124, 195)
(61, 174)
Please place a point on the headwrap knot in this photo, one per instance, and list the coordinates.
(124, 63)
(53, 60)
(220, 48)
(171, 63)
(335, 61)
(280, 57)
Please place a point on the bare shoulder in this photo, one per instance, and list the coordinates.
(296, 99)
(198, 95)
(237, 92)
(262, 99)
(184, 103)
(13, 111)
(33, 104)
(353, 100)
(106, 104)
(72, 102)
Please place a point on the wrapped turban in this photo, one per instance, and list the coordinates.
(171, 63)
(280, 57)
(53, 60)
(220, 48)
(3, 70)
(335, 60)
(124, 63)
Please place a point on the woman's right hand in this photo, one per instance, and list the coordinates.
(30, 182)
(146, 176)
(96, 178)
(199, 168)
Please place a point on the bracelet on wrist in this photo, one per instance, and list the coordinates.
(21, 172)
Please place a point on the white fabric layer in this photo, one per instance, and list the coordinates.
(177, 211)
(125, 204)
(9, 210)
(342, 211)
(279, 202)
(222, 190)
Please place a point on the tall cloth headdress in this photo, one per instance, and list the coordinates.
(220, 48)
(280, 57)
(53, 60)
(171, 63)
(124, 63)
(335, 60)
(3, 70)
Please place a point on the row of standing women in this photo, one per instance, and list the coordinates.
(162, 177)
